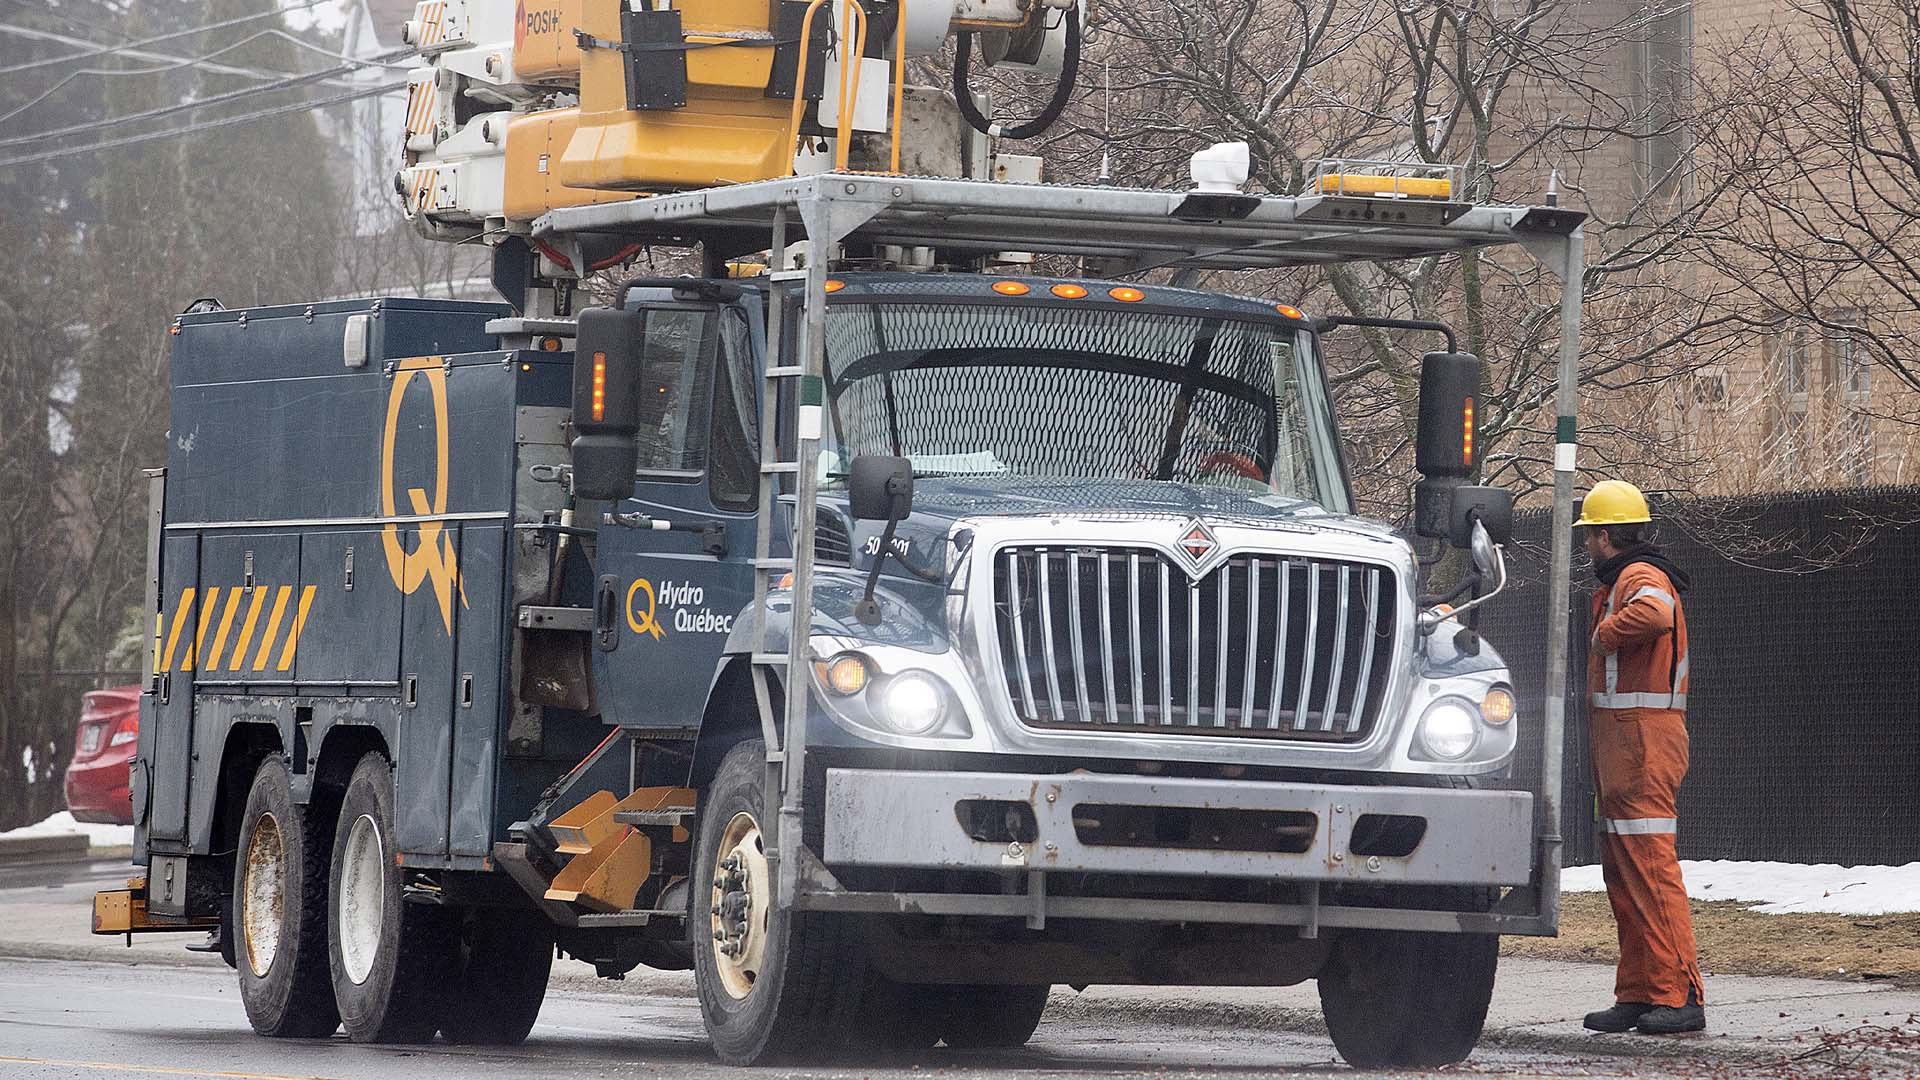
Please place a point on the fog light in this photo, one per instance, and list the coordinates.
(915, 703)
(1449, 729)
(845, 675)
(1497, 707)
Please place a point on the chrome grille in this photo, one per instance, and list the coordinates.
(1293, 648)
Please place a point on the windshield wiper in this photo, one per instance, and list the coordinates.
(1183, 404)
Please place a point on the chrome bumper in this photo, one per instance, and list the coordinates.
(908, 819)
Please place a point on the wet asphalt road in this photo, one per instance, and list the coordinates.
(136, 1017)
(70, 1019)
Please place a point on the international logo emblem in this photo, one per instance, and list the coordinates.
(1197, 546)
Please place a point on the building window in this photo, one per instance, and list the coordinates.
(1852, 367)
(1796, 369)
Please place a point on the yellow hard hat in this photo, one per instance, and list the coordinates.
(1613, 502)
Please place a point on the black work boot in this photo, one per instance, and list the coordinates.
(1674, 1019)
(1621, 1017)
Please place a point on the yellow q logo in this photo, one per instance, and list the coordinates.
(433, 558)
(643, 622)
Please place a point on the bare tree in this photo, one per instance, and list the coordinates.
(1824, 141)
(1504, 92)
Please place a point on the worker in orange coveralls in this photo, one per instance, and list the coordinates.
(1637, 676)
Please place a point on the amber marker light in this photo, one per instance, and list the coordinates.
(845, 675)
(1497, 706)
(526, 367)
(1126, 294)
(599, 387)
(1067, 291)
(551, 344)
(1010, 288)
(1290, 311)
(835, 285)
(1466, 433)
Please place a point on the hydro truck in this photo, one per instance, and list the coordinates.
(885, 639)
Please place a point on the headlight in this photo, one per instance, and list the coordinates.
(1450, 728)
(914, 702)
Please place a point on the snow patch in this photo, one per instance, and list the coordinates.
(62, 824)
(1778, 888)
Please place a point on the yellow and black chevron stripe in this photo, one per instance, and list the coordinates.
(231, 626)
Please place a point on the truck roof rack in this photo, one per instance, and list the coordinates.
(1133, 228)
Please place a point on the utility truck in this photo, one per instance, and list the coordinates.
(888, 639)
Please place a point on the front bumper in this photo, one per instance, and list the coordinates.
(909, 819)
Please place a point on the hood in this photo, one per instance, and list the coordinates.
(940, 502)
(947, 500)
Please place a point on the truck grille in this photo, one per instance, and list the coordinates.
(1266, 645)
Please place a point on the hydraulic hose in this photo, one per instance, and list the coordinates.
(1062, 90)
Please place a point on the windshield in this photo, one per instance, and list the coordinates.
(1061, 391)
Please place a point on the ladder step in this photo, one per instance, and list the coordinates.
(773, 564)
(778, 468)
(789, 372)
(770, 658)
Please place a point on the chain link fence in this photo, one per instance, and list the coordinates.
(1804, 705)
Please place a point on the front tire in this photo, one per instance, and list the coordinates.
(773, 984)
(506, 956)
(279, 909)
(996, 1017)
(1395, 998)
(391, 960)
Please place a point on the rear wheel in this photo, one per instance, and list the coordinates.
(279, 909)
(1396, 998)
(392, 961)
(505, 956)
(773, 984)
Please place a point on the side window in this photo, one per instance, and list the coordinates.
(734, 454)
(673, 399)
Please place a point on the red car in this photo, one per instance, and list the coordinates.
(103, 751)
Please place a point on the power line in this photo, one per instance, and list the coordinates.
(186, 106)
(204, 125)
(109, 50)
(137, 54)
(202, 61)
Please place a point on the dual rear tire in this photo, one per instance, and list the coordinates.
(327, 934)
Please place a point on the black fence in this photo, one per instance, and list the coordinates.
(1804, 704)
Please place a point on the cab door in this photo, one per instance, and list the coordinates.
(670, 599)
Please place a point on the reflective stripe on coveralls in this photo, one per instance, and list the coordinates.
(1646, 826)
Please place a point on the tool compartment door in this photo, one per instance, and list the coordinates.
(168, 745)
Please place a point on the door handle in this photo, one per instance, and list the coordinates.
(606, 613)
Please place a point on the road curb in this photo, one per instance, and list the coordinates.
(107, 951)
(18, 849)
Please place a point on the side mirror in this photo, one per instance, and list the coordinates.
(1447, 442)
(880, 488)
(1490, 508)
(606, 402)
(1486, 554)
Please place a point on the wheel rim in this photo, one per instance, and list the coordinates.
(264, 893)
(742, 902)
(362, 890)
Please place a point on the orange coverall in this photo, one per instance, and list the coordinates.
(1637, 678)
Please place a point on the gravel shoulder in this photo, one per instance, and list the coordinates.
(1733, 940)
